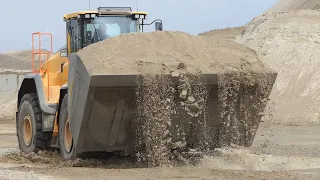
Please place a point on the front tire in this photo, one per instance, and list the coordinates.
(29, 125)
(65, 135)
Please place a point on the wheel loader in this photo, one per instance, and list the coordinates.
(60, 105)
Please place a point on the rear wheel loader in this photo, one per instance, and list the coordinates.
(61, 105)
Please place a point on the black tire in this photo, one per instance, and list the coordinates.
(29, 107)
(63, 117)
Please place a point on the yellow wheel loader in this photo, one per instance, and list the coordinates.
(61, 105)
(43, 118)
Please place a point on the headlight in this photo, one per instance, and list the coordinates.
(136, 16)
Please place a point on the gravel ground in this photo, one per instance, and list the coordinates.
(279, 152)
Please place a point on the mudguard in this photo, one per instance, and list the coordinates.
(32, 83)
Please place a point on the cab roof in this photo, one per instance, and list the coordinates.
(106, 11)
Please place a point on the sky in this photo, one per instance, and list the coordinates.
(20, 18)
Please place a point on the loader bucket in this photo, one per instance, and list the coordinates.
(103, 109)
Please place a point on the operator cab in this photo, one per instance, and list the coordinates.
(88, 27)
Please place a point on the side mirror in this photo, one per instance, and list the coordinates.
(158, 26)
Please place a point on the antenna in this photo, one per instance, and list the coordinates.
(89, 4)
(137, 5)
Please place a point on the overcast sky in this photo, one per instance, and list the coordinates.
(22, 17)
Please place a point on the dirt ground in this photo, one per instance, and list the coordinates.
(279, 152)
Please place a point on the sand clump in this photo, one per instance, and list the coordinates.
(176, 117)
(289, 43)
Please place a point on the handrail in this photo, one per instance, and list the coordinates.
(38, 51)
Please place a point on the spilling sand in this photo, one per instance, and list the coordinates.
(289, 42)
(186, 115)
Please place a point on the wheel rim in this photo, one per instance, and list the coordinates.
(27, 130)
(67, 136)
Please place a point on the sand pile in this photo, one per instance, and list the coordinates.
(161, 52)
(224, 34)
(10, 81)
(25, 55)
(16, 63)
(289, 42)
(19, 60)
(8, 62)
(8, 106)
(285, 5)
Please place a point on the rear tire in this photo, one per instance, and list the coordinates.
(29, 125)
(65, 135)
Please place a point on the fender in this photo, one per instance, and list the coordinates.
(32, 83)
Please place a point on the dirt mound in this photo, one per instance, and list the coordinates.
(285, 5)
(25, 55)
(289, 43)
(161, 52)
(225, 34)
(10, 80)
(8, 105)
(8, 62)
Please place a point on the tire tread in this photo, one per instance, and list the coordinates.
(43, 139)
